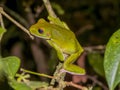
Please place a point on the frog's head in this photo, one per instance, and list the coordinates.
(41, 29)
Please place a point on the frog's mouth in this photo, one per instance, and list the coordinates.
(43, 37)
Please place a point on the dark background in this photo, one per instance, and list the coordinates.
(93, 22)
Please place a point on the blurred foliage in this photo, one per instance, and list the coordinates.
(92, 21)
(2, 31)
(9, 67)
(96, 61)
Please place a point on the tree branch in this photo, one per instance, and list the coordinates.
(15, 22)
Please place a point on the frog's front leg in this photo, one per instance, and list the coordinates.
(70, 67)
(58, 50)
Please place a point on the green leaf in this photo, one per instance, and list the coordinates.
(37, 84)
(11, 65)
(19, 85)
(112, 61)
(96, 61)
(2, 31)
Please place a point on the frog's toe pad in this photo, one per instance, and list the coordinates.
(62, 71)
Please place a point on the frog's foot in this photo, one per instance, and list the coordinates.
(65, 71)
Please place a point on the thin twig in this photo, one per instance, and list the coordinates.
(1, 21)
(15, 22)
(49, 8)
(76, 86)
(99, 48)
(97, 82)
(39, 74)
(38, 10)
(83, 29)
(16, 16)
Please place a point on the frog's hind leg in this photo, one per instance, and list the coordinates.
(69, 67)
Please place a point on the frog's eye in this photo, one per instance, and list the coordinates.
(40, 31)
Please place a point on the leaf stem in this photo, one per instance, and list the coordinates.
(39, 74)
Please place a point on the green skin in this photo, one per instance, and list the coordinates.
(63, 41)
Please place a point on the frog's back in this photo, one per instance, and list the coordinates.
(65, 39)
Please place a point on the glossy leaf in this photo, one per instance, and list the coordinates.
(112, 61)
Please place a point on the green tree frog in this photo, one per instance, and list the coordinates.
(63, 40)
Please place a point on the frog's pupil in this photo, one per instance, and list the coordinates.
(40, 30)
